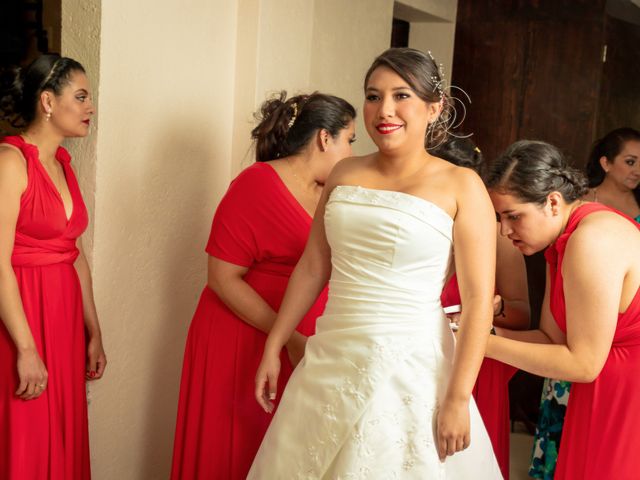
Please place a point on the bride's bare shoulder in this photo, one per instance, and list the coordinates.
(350, 170)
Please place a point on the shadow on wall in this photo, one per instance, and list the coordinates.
(186, 208)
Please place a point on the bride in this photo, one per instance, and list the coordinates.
(383, 391)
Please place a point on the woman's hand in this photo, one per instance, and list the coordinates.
(295, 348)
(498, 306)
(96, 358)
(267, 380)
(452, 428)
(32, 374)
(454, 321)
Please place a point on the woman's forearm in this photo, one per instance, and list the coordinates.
(543, 359)
(245, 302)
(12, 311)
(304, 287)
(530, 336)
(88, 303)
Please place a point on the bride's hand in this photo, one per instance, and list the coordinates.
(452, 428)
(267, 381)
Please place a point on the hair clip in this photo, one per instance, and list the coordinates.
(294, 105)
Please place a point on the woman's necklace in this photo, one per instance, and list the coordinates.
(293, 172)
(309, 199)
(301, 182)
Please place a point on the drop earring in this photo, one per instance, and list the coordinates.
(48, 116)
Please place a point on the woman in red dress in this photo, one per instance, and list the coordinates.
(590, 324)
(46, 298)
(259, 232)
(511, 310)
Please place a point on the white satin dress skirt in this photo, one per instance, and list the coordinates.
(362, 403)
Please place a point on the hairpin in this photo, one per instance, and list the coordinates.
(294, 105)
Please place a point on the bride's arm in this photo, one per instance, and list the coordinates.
(474, 234)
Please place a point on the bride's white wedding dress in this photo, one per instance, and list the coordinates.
(362, 403)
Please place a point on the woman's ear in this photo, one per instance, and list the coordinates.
(554, 200)
(434, 110)
(604, 163)
(46, 102)
(323, 139)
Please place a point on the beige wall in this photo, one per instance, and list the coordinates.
(347, 37)
(274, 40)
(162, 161)
(176, 84)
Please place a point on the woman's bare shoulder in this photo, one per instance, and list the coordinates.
(605, 232)
(13, 171)
(348, 171)
(12, 162)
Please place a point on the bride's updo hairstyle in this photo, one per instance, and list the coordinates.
(420, 72)
(287, 125)
(531, 170)
(20, 88)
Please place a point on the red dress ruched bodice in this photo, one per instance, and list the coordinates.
(44, 236)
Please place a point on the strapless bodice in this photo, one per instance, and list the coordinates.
(390, 252)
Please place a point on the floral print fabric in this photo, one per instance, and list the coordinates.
(553, 406)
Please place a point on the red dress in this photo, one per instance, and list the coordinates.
(259, 225)
(491, 391)
(601, 435)
(46, 438)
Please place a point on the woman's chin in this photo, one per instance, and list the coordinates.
(528, 249)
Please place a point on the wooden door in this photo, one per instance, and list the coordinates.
(620, 87)
(532, 69)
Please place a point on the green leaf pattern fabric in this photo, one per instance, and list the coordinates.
(553, 406)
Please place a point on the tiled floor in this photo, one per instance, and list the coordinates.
(521, 444)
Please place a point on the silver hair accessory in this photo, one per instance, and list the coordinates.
(49, 76)
(438, 83)
(449, 119)
(294, 105)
